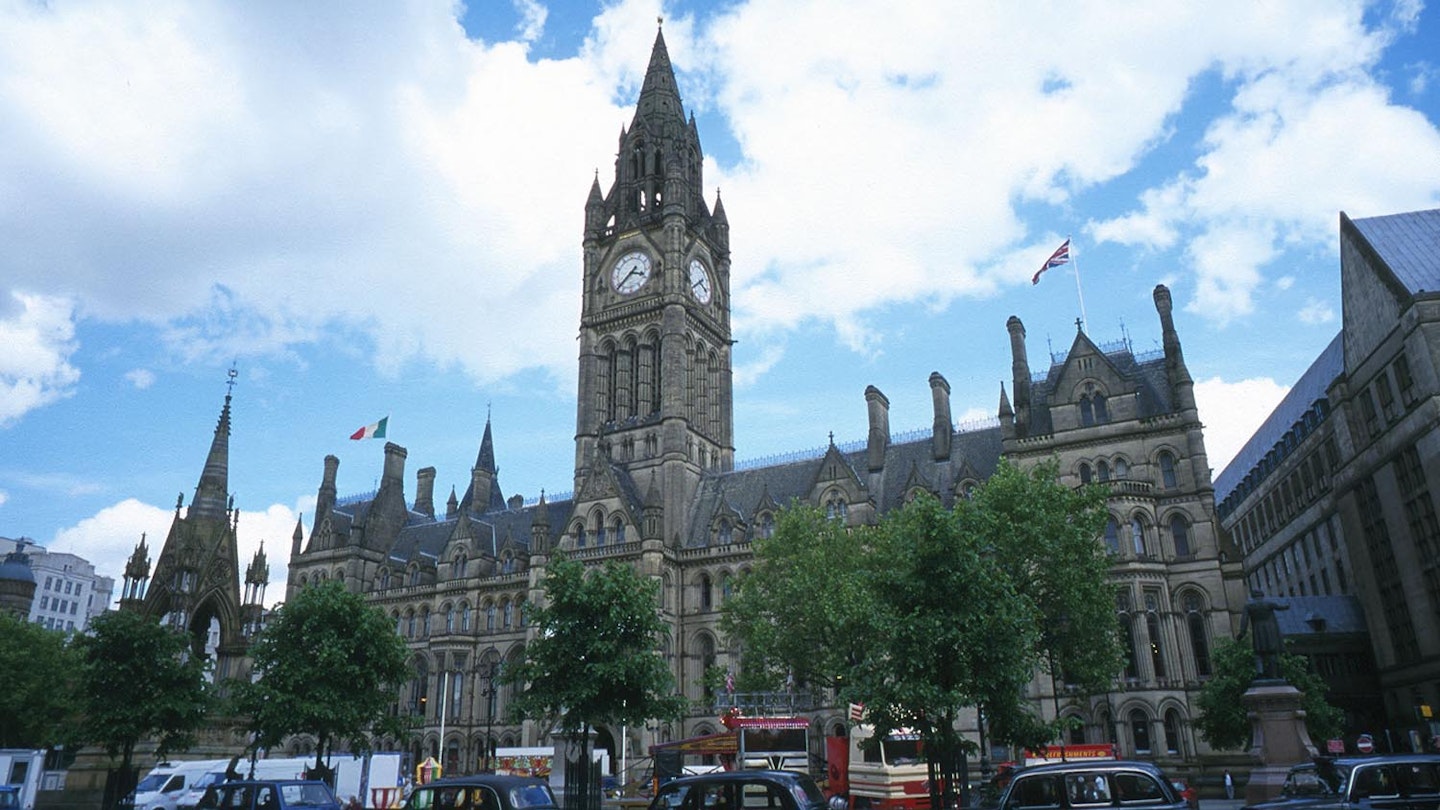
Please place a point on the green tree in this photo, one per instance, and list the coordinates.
(38, 704)
(934, 610)
(140, 681)
(326, 664)
(1221, 716)
(594, 660)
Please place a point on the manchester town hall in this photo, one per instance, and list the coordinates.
(656, 486)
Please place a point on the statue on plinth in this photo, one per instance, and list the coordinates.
(1265, 636)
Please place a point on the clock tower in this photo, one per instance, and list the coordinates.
(654, 382)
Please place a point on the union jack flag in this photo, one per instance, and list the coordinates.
(1059, 257)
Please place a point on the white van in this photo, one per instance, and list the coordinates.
(285, 768)
(162, 788)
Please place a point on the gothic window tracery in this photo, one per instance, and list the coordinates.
(836, 507)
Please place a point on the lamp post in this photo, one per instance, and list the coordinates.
(488, 672)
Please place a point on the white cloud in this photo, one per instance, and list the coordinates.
(1316, 313)
(252, 177)
(141, 378)
(36, 344)
(4, 496)
(1232, 412)
(108, 538)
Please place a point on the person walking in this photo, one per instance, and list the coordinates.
(1229, 787)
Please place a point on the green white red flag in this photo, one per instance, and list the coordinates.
(375, 431)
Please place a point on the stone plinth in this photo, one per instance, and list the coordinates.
(1280, 739)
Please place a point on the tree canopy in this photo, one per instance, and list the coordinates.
(38, 704)
(326, 664)
(594, 660)
(1221, 716)
(139, 681)
(595, 657)
(934, 610)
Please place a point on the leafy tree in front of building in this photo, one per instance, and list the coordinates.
(594, 661)
(326, 664)
(1221, 716)
(38, 702)
(935, 610)
(139, 680)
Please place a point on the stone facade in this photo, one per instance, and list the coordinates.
(656, 485)
(1334, 494)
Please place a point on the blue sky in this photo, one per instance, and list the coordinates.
(375, 209)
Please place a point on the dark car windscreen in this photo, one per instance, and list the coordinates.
(524, 796)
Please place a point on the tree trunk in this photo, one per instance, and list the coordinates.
(947, 769)
(580, 793)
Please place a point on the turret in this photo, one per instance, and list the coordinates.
(942, 427)
(1181, 385)
(1019, 372)
(425, 491)
(878, 441)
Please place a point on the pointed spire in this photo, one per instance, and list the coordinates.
(211, 495)
(1005, 411)
(719, 214)
(452, 506)
(486, 460)
(659, 95)
(298, 536)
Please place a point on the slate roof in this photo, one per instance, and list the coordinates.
(1146, 371)
(1302, 396)
(1342, 614)
(742, 492)
(1409, 244)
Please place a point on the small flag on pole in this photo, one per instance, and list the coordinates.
(857, 712)
(375, 431)
(730, 682)
(1059, 257)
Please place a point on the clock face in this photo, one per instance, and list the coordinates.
(699, 281)
(631, 272)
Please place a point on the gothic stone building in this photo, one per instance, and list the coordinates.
(1332, 496)
(655, 485)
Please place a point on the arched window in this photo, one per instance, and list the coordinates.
(409, 624)
(1112, 536)
(1087, 411)
(1122, 468)
(617, 530)
(767, 525)
(723, 534)
(1102, 416)
(1180, 534)
(579, 535)
(727, 588)
(509, 615)
(490, 617)
(384, 579)
(415, 576)
(460, 563)
(1085, 475)
(464, 617)
(1172, 732)
(1076, 730)
(520, 611)
(399, 623)
(1127, 634)
(425, 622)
(1167, 470)
(1152, 629)
(1102, 471)
(449, 618)
(835, 506)
(1140, 731)
(1199, 641)
(703, 584)
(1137, 536)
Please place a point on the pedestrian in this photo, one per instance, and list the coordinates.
(1229, 786)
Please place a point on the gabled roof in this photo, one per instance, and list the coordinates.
(1409, 244)
(1302, 396)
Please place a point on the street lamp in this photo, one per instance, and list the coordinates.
(488, 673)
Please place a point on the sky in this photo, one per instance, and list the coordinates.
(375, 209)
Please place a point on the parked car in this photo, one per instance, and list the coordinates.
(742, 789)
(1188, 793)
(269, 794)
(1389, 782)
(1084, 784)
(482, 792)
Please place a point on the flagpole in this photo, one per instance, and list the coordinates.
(1074, 260)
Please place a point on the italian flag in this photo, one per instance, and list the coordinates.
(375, 431)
